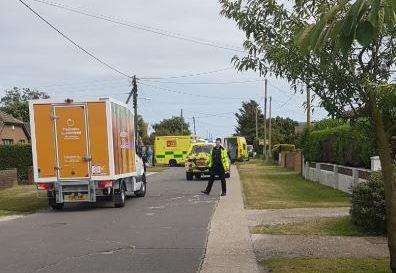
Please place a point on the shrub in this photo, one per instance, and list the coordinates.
(368, 209)
(278, 148)
(16, 156)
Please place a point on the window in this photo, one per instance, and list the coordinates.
(22, 141)
(8, 141)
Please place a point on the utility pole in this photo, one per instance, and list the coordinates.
(181, 120)
(270, 127)
(134, 94)
(256, 123)
(265, 121)
(308, 107)
(195, 132)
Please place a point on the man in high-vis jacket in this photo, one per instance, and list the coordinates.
(218, 163)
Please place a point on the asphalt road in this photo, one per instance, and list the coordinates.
(164, 232)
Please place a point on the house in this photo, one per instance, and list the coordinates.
(12, 130)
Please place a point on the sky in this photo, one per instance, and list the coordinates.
(34, 55)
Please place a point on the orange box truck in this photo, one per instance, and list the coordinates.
(85, 151)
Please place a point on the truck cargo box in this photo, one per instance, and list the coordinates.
(84, 142)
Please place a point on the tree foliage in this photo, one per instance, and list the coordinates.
(142, 129)
(15, 101)
(246, 121)
(282, 128)
(172, 126)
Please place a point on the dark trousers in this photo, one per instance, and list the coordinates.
(221, 176)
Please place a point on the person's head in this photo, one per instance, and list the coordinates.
(218, 142)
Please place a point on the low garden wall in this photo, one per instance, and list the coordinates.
(8, 178)
(335, 176)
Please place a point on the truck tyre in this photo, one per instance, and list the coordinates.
(52, 203)
(143, 189)
(189, 176)
(198, 176)
(119, 197)
(172, 163)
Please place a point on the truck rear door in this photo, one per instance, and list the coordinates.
(73, 160)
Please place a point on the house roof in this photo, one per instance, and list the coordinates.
(8, 119)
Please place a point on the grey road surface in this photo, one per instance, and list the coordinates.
(164, 232)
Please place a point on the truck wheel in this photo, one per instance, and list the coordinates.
(198, 176)
(189, 176)
(172, 163)
(52, 203)
(119, 197)
(143, 189)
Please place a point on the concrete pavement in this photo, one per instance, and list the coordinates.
(229, 248)
(164, 232)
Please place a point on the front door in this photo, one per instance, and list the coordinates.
(71, 142)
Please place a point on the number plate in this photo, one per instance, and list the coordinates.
(76, 197)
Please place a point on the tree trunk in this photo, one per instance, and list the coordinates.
(389, 181)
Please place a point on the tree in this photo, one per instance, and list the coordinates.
(246, 121)
(142, 129)
(342, 50)
(368, 29)
(15, 101)
(172, 126)
(283, 131)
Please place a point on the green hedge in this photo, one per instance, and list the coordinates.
(368, 210)
(16, 156)
(344, 145)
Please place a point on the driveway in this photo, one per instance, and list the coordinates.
(164, 232)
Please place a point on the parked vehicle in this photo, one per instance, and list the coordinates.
(85, 151)
(172, 150)
(237, 148)
(197, 161)
(251, 152)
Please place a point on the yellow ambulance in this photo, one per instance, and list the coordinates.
(172, 150)
(237, 148)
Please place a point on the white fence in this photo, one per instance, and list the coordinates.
(335, 176)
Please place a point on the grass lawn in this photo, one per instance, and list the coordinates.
(157, 169)
(20, 200)
(327, 265)
(331, 226)
(272, 187)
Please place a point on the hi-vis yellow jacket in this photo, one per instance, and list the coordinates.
(224, 159)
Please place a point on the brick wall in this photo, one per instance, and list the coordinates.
(291, 160)
(8, 178)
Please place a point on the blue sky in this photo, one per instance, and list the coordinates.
(33, 55)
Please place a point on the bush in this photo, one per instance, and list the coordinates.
(16, 156)
(343, 145)
(368, 209)
(278, 148)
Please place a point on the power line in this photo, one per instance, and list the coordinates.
(74, 43)
(190, 94)
(158, 31)
(188, 75)
(208, 83)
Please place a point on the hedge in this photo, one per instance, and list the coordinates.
(368, 210)
(343, 145)
(16, 156)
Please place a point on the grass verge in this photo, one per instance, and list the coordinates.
(329, 226)
(327, 265)
(20, 199)
(272, 187)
